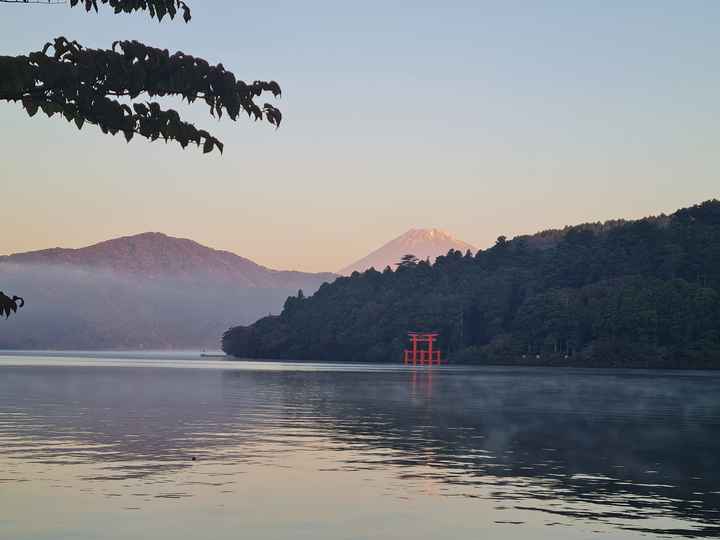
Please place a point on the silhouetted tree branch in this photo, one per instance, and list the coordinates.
(156, 8)
(75, 82)
(79, 84)
(9, 305)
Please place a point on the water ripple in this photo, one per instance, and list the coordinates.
(629, 453)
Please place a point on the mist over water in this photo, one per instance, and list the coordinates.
(284, 450)
(77, 308)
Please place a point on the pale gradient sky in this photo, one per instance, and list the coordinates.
(480, 118)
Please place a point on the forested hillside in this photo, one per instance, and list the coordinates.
(640, 293)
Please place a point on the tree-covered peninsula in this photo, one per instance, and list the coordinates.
(642, 293)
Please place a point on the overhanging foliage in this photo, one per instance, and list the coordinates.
(156, 8)
(9, 305)
(82, 85)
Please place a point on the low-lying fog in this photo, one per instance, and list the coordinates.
(76, 308)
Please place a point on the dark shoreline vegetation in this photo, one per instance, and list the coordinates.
(642, 293)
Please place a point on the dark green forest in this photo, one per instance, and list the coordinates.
(642, 293)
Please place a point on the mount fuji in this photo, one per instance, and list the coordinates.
(423, 243)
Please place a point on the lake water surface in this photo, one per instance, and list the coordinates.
(167, 447)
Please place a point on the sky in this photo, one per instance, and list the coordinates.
(481, 118)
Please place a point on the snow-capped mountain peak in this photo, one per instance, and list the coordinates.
(423, 243)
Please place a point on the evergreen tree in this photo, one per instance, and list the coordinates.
(407, 261)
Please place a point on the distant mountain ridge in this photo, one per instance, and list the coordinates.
(155, 255)
(147, 291)
(423, 243)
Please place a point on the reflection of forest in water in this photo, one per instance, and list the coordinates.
(615, 447)
(638, 444)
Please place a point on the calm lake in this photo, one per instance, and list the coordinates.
(170, 447)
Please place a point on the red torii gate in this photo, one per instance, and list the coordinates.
(420, 356)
